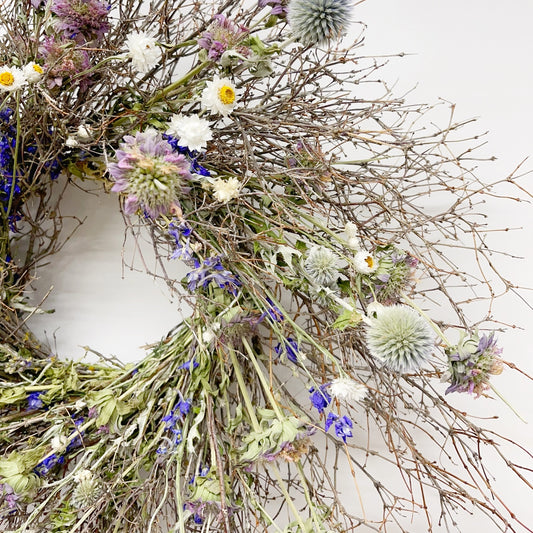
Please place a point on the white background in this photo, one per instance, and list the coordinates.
(476, 54)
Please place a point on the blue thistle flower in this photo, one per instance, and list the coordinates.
(400, 338)
(314, 22)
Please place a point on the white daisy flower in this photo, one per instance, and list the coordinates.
(364, 262)
(226, 190)
(142, 50)
(347, 389)
(11, 79)
(33, 72)
(219, 96)
(192, 131)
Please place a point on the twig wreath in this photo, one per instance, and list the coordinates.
(241, 138)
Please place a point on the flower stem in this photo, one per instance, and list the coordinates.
(173, 86)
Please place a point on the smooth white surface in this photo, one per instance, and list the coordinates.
(475, 54)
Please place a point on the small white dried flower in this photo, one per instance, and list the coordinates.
(84, 133)
(142, 50)
(373, 309)
(71, 142)
(58, 443)
(321, 265)
(352, 236)
(347, 389)
(192, 131)
(226, 190)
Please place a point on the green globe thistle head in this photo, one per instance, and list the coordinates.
(315, 22)
(399, 338)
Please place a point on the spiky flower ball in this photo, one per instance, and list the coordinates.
(87, 490)
(314, 22)
(400, 338)
(321, 266)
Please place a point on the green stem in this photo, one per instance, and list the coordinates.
(506, 403)
(264, 382)
(173, 86)
(244, 390)
(434, 326)
(316, 520)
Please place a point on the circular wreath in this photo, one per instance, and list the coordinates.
(247, 144)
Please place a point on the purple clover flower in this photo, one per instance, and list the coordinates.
(279, 7)
(343, 426)
(221, 36)
(289, 347)
(212, 271)
(81, 20)
(320, 397)
(149, 172)
(63, 60)
(471, 363)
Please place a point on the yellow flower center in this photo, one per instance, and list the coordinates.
(37, 68)
(6, 78)
(226, 94)
(369, 261)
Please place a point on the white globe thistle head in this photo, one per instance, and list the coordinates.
(87, 490)
(315, 22)
(399, 338)
(142, 50)
(191, 131)
(347, 389)
(11, 79)
(33, 72)
(321, 266)
(364, 262)
(226, 190)
(219, 96)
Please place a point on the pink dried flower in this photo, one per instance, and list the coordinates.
(62, 61)
(81, 20)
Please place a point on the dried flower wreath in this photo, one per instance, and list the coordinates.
(249, 144)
